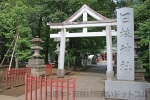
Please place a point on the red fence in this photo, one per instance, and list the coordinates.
(48, 69)
(49, 88)
(15, 77)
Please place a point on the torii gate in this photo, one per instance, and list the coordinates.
(101, 22)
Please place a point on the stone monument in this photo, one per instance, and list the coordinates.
(36, 63)
(125, 44)
(125, 86)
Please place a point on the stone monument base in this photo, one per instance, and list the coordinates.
(37, 71)
(37, 67)
(128, 90)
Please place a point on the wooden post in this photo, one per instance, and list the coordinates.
(13, 51)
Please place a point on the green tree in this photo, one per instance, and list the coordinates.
(14, 20)
(142, 23)
(31, 16)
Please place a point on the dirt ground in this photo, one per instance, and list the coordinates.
(15, 91)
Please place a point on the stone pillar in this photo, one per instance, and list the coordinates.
(109, 72)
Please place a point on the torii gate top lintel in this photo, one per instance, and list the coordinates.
(85, 22)
(84, 10)
(87, 9)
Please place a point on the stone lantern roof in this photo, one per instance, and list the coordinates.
(37, 39)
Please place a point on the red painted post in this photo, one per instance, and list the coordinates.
(13, 78)
(62, 81)
(18, 76)
(22, 75)
(26, 86)
(45, 87)
(10, 78)
(30, 87)
(73, 88)
(35, 83)
(67, 90)
(50, 88)
(30, 70)
(56, 89)
(24, 72)
(6, 78)
(40, 88)
(17, 72)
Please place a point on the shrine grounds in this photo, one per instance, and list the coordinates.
(88, 81)
(89, 84)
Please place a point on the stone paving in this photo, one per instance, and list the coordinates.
(89, 84)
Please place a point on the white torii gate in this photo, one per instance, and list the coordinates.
(101, 22)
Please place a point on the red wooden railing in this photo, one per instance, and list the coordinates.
(15, 77)
(49, 88)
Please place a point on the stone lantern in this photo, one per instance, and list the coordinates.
(139, 70)
(36, 47)
(36, 63)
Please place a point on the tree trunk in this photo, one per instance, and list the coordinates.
(47, 45)
(39, 27)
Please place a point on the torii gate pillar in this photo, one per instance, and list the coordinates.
(109, 72)
(60, 70)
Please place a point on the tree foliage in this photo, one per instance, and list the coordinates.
(14, 20)
(29, 18)
(142, 23)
